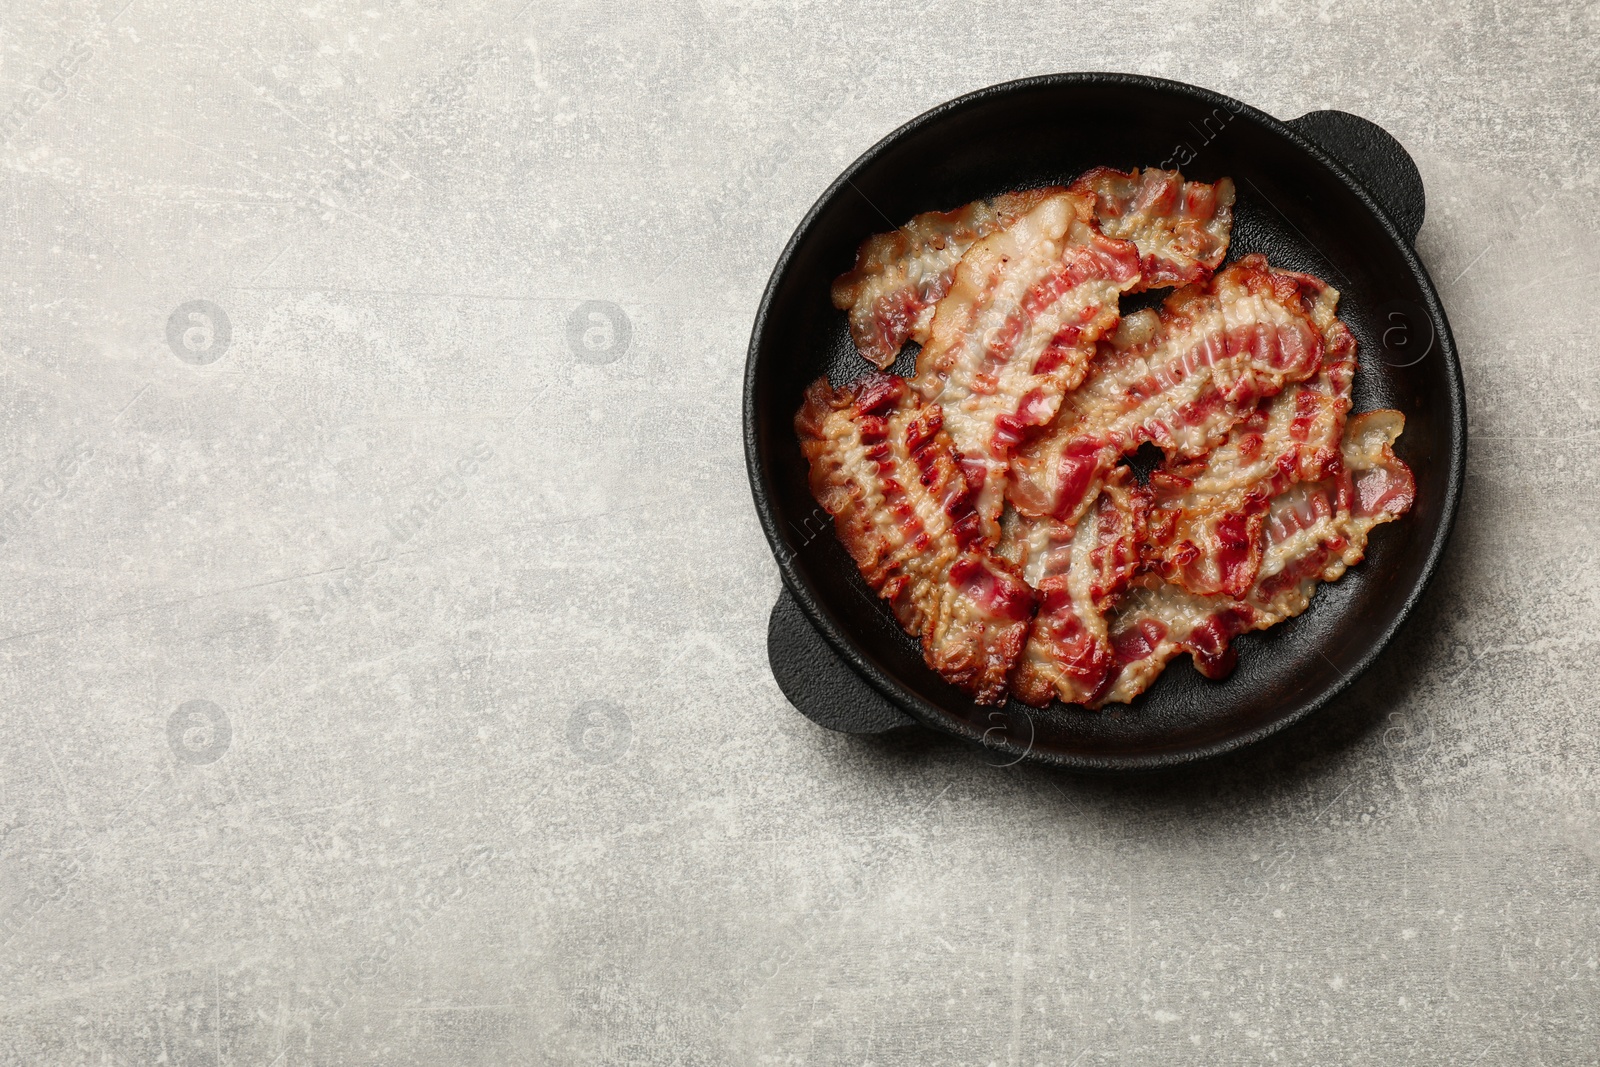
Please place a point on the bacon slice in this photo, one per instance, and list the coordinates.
(1217, 351)
(1082, 571)
(1208, 514)
(1312, 533)
(883, 466)
(899, 276)
(1017, 330)
(1181, 228)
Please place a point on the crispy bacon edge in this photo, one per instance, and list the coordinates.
(883, 467)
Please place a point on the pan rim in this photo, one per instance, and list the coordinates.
(937, 718)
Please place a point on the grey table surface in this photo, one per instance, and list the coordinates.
(383, 659)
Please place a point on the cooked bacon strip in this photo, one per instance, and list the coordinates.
(1017, 330)
(1313, 533)
(1181, 228)
(1219, 349)
(882, 465)
(1084, 570)
(899, 276)
(1208, 514)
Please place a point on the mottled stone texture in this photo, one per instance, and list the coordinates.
(383, 660)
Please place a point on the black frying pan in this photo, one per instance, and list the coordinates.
(1328, 193)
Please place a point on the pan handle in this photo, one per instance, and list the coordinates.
(820, 685)
(1378, 161)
